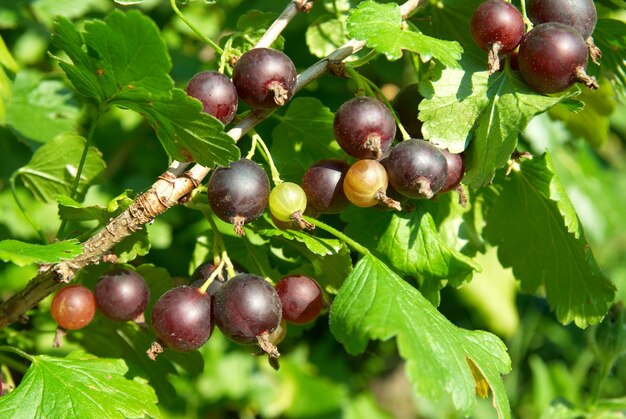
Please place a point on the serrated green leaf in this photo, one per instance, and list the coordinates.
(50, 172)
(610, 36)
(186, 133)
(80, 386)
(325, 35)
(380, 25)
(70, 210)
(23, 254)
(109, 58)
(317, 245)
(305, 129)
(489, 111)
(253, 25)
(40, 109)
(538, 234)
(441, 359)
(410, 243)
(6, 59)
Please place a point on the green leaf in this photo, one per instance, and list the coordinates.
(109, 59)
(380, 25)
(538, 234)
(80, 386)
(375, 303)
(317, 245)
(23, 254)
(410, 243)
(70, 210)
(305, 129)
(40, 109)
(50, 172)
(137, 244)
(463, 106)
(186, 133)
(325, 35)
(253, 24)
(610, 36)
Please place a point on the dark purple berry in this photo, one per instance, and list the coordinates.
(323, 185)
(246, 307)
(364, 128)
(497, 22)
(456, 170)
(301, 298)
(122, 296)
(239, 193)
(416, 168)
(553, 57)
(406, 105)
(181, 318)
(579, 14)
(265, 78)
(217, 94)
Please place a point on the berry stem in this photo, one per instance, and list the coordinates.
(16, 351)
(267, 156)
(193, 27)
(293, 8)
(527, 22)
(341, 236)
(214, 274)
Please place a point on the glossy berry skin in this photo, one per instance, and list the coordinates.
(285, 199)
(181, 318)
(406, 105)
(579, 14)
(217, 94)
(456, 170)
(245, 307)
(364, 128)
(497, 22)
(301, 298)
(122, 296)
(323, 185)
(239, 193)
(265, 78)
(364, 180)
(73, 307)
(417, 169)
(551, 56)
(202, 273)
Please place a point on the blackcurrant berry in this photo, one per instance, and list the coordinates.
(364, 128)
(239, 193)
(456, 170)
(246, 307)
(181, 318)
(265, 78)
(553, 57)
(122, 296)
(202, 273)
(579, 14)
(217, 94)
(497, 27)
(416, 168)
(301, 298)
(323, 185)
(366, 183)
(73, 307)
(405, 104)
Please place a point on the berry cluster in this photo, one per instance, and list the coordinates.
(553, 55)
(246, 309)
